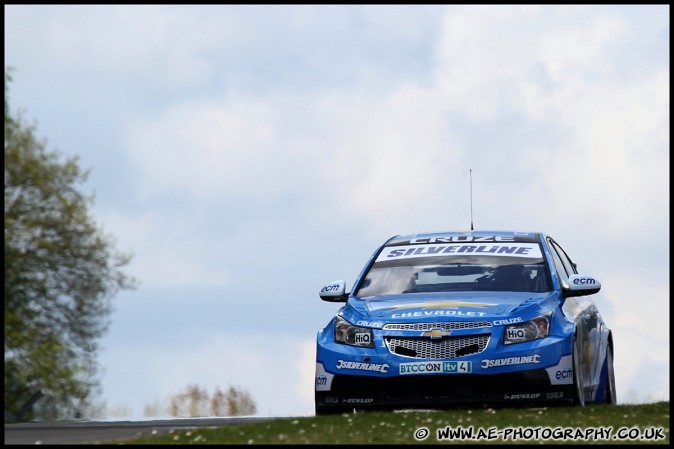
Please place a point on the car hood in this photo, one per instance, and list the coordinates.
(444, 306)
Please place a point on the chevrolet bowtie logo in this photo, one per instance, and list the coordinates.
(435, 333)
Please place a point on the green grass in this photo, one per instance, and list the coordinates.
(400, 427)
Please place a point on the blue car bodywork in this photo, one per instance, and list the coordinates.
(464, 318)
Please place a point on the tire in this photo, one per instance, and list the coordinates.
(610, 396)
(578, 382)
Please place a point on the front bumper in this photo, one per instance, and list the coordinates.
(349, 377)
(368, 392)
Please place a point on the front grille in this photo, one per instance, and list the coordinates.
(447, 348)
(446, 326)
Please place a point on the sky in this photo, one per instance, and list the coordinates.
(246, 155)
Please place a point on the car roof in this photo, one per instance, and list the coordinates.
(465, 236)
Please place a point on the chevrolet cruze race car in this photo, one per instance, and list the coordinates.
(464, 318)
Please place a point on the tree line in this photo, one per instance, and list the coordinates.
(195, 401)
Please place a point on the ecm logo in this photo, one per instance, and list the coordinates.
(330, 288)
(584, 281)
(564, 374)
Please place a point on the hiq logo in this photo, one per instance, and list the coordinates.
(363, 338)
(564, 374)
(515, 334)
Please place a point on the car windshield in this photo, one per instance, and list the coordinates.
(445, 268)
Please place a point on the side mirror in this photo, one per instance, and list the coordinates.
(334, 292)
(582, 285)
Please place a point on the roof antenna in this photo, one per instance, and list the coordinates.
(471, 199)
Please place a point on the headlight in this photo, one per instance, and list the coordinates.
(533, 329)
(349, 334)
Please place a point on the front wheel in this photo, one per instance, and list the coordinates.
(610, 396)
(578, 383)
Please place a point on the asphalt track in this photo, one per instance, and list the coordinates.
(107, 432)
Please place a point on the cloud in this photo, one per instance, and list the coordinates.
(207, 151)
(306, 370)
(159, 254)
(280, 384)
(631, 303)
(589, 146)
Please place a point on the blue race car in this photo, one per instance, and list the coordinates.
(464, 318)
